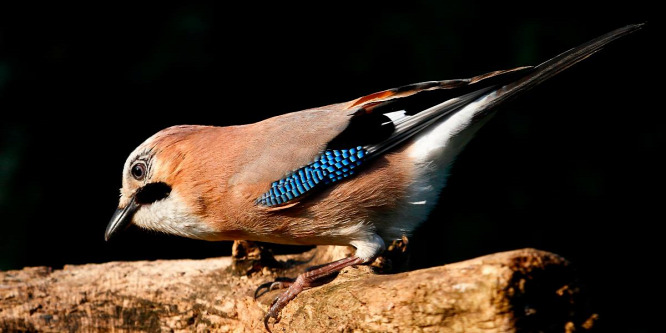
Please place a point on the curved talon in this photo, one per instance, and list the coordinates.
(273, 312)
(278, 283)
(267, 317)
(266, 285)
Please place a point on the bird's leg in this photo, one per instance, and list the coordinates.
(284, 282)
(307, 280)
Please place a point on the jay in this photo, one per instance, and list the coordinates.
(360, 173)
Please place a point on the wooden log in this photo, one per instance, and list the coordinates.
(517, 291)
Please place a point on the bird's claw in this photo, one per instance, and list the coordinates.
(268, 286)
(273, 312)
(276, 306)
(279, 283)
(267, 317)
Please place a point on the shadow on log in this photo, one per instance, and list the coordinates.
(517, 291)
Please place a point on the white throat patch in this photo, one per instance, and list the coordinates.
(172, 216)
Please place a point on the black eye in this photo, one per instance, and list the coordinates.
(138, 171)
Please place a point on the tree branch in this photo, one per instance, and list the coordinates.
(524, 290)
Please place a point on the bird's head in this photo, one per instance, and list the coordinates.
(153, 182)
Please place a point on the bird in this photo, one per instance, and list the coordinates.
(360, 173)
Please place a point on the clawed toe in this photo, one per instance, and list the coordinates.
(267, 317)
(278, 283)
(273, 312)
(309, 279)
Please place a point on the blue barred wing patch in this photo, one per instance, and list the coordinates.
(331, 166)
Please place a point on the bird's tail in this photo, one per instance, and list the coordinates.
(555, 65)
(471, 99)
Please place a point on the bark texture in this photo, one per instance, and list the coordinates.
(517, 291)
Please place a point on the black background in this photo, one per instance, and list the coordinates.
(574, 167)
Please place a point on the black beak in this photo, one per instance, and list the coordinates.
(121, 219)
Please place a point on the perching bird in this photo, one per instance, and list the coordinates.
(359, 173)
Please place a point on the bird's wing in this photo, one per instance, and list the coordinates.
(368, 103)
(309, 150)
(304, 151)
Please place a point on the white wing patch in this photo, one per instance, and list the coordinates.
(433, 152)
(395, 115)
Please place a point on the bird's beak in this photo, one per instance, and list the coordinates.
(121, 219)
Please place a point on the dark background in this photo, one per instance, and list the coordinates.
(574, 167)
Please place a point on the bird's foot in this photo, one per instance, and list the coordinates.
(295, 287)
(279, 283)
(311, 278)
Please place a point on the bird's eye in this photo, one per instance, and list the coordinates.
(138, 171)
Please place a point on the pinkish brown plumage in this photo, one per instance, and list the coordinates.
(260, 181)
